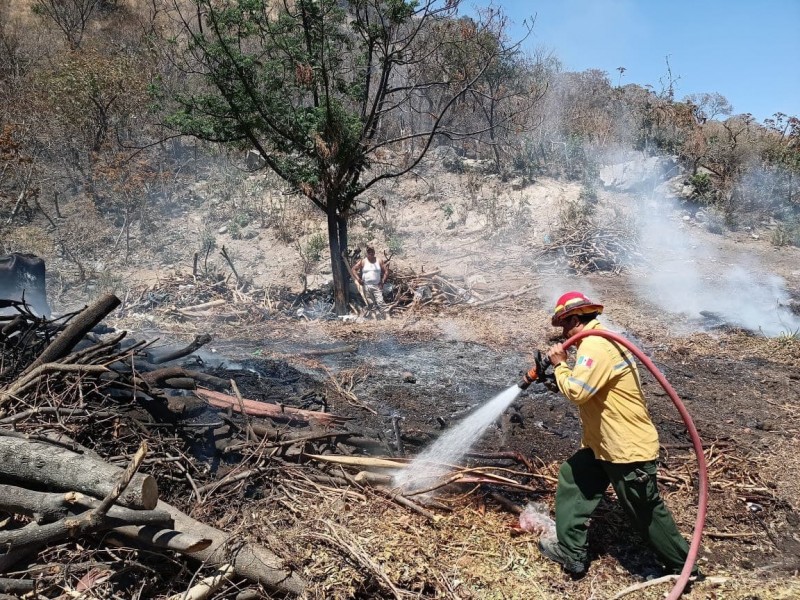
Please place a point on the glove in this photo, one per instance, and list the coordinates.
(537, 372)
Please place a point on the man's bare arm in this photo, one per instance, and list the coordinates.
(357, 271)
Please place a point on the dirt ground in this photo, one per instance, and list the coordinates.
(432, 367)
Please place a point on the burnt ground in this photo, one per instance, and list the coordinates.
(433, 369)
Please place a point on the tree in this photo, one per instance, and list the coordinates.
(505, 95)
(321, 90)
(708, 106)
(70, 16)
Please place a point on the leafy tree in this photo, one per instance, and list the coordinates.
(335, 95)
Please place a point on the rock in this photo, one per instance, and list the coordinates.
(631, 175)
(409, 377)
(223, 229)
(254, 161)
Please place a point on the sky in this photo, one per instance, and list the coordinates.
(746, 50)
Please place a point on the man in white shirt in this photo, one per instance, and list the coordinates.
(371, 273)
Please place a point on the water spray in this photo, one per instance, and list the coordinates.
(537, 374)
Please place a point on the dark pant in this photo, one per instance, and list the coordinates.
(583, 479)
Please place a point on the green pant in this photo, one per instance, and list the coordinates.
(583, 479)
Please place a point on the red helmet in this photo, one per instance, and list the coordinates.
(573, 303)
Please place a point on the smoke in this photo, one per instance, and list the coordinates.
(687, 273)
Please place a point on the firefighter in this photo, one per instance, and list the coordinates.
(619, 444)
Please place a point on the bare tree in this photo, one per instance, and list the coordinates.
(707, 106)
(71, 16)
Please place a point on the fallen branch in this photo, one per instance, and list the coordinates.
(361, 461)
(76, 330)
(264, 409)
(327, 351)
(156, 358)
(48, 507)
(498, 298)
(659, 580)
(250, 561)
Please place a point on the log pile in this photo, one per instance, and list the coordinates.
(413, 291)
(103, 493)
(585, 248)
(69, 416)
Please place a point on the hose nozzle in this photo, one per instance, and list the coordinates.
(536, 372)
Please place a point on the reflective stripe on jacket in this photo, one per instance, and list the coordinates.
(605, 385)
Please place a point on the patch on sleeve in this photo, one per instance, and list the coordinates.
(584, 361)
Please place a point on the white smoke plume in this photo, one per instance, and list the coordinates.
(687, 274)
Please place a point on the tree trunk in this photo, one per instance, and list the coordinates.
(337, 232)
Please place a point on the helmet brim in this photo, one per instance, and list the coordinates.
(583, 309)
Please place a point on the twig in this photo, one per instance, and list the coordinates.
(98, 513)
(206, 586)
(338, 536)
(248, 421)
(228, 259)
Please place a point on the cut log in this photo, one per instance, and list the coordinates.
(58, 468)
(75, 331)
(250, 561)
(264, 409)
(47, 507)
(162, 538)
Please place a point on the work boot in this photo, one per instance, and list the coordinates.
(550, 548)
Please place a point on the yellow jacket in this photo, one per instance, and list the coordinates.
(605, 385)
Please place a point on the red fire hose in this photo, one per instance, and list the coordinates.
(702, 503)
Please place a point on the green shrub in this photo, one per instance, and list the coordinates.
(786, 234)
(208, 241)
(242, 220)
(316, 244)
(395, 245)
(588, 194)
(234, 230)
(703, 187)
